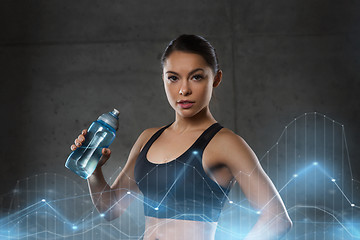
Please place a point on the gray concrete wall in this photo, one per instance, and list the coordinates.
(64, 63)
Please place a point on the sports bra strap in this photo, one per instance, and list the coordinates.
(154, 137)
(200, 143)
(206, 137)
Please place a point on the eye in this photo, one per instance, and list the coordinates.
(172, 78)
(198, 77)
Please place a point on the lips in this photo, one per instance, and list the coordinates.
(185, 103)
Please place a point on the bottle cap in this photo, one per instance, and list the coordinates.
(111, 118)
(115, 112)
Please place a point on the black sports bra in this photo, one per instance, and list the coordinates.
(180, 189)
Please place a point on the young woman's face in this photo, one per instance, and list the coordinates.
(188, 82)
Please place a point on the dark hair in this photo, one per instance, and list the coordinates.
(193, 44)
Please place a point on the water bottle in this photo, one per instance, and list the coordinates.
(101, 134)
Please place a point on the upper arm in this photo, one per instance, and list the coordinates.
(254, 182)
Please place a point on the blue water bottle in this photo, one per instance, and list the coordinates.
(101, 134)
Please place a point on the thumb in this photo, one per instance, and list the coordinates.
(106, 152)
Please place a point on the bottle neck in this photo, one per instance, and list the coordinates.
(106, 125)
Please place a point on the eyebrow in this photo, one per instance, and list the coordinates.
(193, 71)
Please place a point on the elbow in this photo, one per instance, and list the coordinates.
(110, 210)
(106, 212)
(289, 225)
(286, 224)
(282, 225)
(109, 216)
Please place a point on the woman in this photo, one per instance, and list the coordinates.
(185, 169)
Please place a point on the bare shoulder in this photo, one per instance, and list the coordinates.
(233, 150)
(228, 139)
(146, 135)
(140, 143)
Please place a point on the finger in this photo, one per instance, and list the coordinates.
(106, 151)
(84, 132)
(105, 156)
(73, 147)
(81, 138)
(77, 142)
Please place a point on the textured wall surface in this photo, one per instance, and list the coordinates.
(64, 63)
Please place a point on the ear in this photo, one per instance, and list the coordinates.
(217, 78)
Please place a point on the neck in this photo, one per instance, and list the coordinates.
(201, 120)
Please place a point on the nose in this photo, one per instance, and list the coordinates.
(185, 89)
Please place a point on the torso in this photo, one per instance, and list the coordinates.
(172, 229)
(168, 147)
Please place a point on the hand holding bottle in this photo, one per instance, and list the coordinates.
(106, 152)
(92, 151)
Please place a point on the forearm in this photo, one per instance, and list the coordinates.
(270, 228)
(102, 196)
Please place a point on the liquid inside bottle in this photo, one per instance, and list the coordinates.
(84, 159)
(89, 150)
